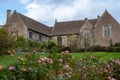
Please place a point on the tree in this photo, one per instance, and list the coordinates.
(6, 40)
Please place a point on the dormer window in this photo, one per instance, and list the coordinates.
(86, 33)
(106, 31)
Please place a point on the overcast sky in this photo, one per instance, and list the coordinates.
(46, 11)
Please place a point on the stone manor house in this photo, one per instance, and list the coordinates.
(100, 31)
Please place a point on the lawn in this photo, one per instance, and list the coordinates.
(103, 55)
(7, 60)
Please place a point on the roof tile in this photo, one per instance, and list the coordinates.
(36, 26)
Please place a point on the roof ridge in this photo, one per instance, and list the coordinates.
(75, 20)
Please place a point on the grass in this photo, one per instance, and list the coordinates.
(105, 56)
(7, 60)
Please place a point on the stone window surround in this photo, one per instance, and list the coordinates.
(59, 39)
(86, 33)
(109, 33)
(30, 34)
(14, 24)
(40, 37)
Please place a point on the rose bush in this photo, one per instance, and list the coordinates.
(61, 67)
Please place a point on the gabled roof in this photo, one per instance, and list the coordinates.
(107, 16)
(70, 27)
(35, 26)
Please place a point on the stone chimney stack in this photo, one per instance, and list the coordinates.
(98, 16)
(55, 20)
(8, 14)
(86, 19)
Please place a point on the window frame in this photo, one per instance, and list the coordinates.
(40, 37)
(86, 33)
(14, 24)
(106, 31)
(59, 39)
(30, 35)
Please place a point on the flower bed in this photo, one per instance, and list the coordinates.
(61, 67)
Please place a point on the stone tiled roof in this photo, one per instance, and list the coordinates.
(35, 26)
(93, 21)
(70, 27)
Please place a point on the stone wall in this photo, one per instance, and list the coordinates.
(36, 36)
(100, 39)
(15, 25)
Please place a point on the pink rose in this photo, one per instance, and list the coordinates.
(60, 60)
(118, 62)
(50, 61)
(11, 68)
(66, 51)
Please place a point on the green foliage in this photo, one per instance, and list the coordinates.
(61, 67)
(21, 44)
(73, 43)
(52, 47)
(25, 45)
(117, 44)
(6, 40)
(105, 56)
(104, 49)
(34, 45)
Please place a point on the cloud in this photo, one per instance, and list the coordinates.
(47, 11)
(25, 1)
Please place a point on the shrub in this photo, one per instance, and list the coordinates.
(51, 47)
(114, 49)
(113, 70)
(25, 45)
(55, 49)
(6, 40)
(34, 45)
(104, 49)
(50, 44)
(21, 44)
(95, 48)
(66, 48)
(117, 44)
(61, 67)
(73, 43)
